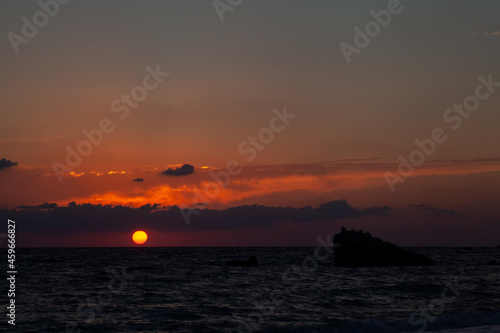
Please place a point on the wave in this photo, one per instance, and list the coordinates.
(468, 322)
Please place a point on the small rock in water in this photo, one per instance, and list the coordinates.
(252, 261)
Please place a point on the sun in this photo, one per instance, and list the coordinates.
(140, 237)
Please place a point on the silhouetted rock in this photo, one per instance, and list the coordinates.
(498, 246)
(493, 262)
(468, 248)
(357, 248)
(252, 261)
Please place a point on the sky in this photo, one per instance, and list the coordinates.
(250, 104)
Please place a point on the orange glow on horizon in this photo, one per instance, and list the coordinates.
(246, 187)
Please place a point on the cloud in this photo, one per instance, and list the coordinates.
(42, 206)
(5, 163)
(494, 33)
(184, 170)
(24, 139)
(433, 211)
(138, 180)
(99, 218)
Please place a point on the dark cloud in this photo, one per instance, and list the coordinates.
(42, 206)
(138, 180)
(5, 163)
(99, 218)
(184, 170)
(432, 210)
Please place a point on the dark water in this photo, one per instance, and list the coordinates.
(190, 290)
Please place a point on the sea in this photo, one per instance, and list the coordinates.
(294, 289)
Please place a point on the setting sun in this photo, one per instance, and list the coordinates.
(140, 237)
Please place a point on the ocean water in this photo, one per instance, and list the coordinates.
(190, 290)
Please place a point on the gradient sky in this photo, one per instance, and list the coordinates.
(353, 120)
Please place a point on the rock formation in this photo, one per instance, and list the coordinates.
(357, 248)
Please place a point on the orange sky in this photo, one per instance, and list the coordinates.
(135, 89)
(437, 184)
(262, 184)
